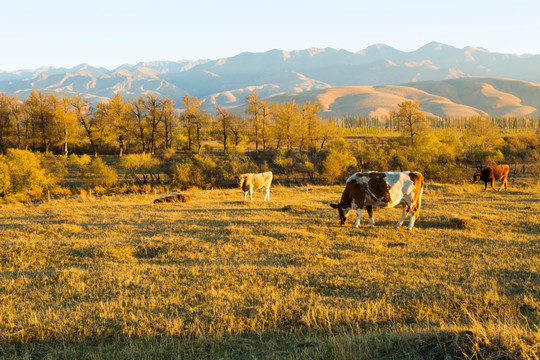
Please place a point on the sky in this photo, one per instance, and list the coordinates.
(67, 33)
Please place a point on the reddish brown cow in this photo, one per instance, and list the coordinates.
(492, 173)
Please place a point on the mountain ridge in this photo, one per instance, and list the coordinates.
(274, 73)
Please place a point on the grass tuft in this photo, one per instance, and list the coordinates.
(465, 223)
(299, 208)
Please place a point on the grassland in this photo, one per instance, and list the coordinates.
(219, 278)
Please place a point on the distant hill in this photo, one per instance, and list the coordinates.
(457, 97)
(363, 82)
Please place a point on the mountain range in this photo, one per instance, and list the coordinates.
(447, 81)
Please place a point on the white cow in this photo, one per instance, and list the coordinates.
(248, 182)
(383, 190)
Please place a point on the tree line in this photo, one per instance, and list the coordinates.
(457, 122)
(48, 138)
(52, 122)
(49, 121)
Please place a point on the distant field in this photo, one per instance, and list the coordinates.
(219, 278)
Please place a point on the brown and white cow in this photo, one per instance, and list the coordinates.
(492, 173)
(384, 190)
(249, 181)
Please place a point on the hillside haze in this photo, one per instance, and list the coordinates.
(360, 83)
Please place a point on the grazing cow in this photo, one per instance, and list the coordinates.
(248, 182)
(492, 173)
(382, 189)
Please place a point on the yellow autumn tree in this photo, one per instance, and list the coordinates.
(411, 119)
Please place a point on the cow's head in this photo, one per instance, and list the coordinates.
(342, 211)
(476, 177)
(241, 179)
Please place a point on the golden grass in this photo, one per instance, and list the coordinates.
(120, 277)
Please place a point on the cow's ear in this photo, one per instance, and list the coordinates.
(335, 206)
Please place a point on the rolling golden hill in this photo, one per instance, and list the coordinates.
(447, 98)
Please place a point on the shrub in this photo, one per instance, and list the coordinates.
(338, 165)
(235, 163)
(26, 172)
(60, 191)
(339, 161)
(210, 173)
(483, 156)
(100, 173)
(180, 174)
(142, 168)
(81, 162)
(284, 165)
(100, 190)
(5, 178)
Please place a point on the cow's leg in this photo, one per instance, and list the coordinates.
(267, 193)
(251, 193)
(403, 214)
(245, 195)
(485, 186)
(493, 184)
(358, 216)
(411, 221)
(370, 213)
(410, 207)
(504, 183)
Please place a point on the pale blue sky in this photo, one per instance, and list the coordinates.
(66, 33)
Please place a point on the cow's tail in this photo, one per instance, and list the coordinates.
(420, 197)
(418, 205)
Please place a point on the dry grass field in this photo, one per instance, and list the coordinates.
(219, 278)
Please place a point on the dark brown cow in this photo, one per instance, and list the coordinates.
(382, 189)
(492, 173)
